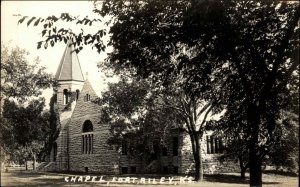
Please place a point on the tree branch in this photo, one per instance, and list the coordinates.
(169, 105)
(204, 108)
(183, 105)
(205, 116)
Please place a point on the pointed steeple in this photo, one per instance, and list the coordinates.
(69, 68)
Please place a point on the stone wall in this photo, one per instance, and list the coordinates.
(131, 164)
(211, 162)
(103, 159)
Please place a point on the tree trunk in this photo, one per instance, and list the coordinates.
(198, 167)
(242, 167)
(34, 162)
(197, 158)
(26, 166)
(255, 162)
(243, 173)
(255, 169)
(2, 159)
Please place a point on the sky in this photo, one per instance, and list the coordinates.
(27, 37)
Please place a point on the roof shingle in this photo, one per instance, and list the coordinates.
(69, 67)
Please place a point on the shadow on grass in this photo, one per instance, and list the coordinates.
(227, 178)
(61, 182)
(50, 181)
(32, 178)
(23, 174)
(38, 182)
(283, 173)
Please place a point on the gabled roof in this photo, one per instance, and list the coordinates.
(69, 67)
(88, 89)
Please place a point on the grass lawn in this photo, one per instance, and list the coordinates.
(30, 178)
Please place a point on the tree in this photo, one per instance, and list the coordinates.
(131, 109)
(138, 115)
(285, 152)
(282, 151)
(170, 59)
(172, 51)
(260, 65)
(158, 110)
(24, 129)
(244, 45)
(19, 78)
(54, 127)
(236, 150)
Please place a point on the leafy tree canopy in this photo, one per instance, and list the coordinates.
(24, 125)
(249, 48)
(24, 128)
(19, 78)
(132, 110)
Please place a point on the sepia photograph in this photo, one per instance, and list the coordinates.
(200, 93)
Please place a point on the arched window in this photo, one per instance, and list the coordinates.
(77, 94)
(87, 137)
(54, 151)
(87, 126)
(66, 97)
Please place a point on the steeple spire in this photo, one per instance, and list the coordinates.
(69, 68)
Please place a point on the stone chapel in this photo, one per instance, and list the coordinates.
(82, 142)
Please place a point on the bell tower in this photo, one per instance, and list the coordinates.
(69, 77)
